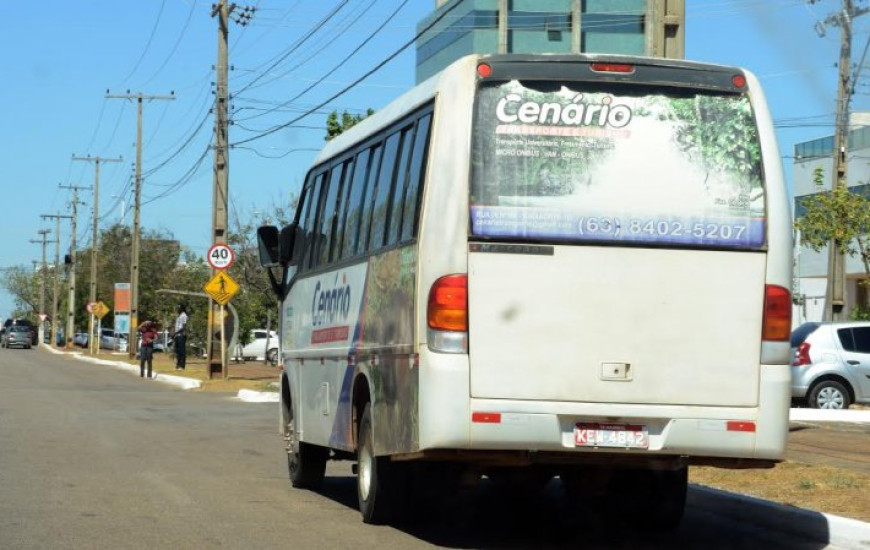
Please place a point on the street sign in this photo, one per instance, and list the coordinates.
(221, 256)
(221, 288)
(43, 316)
(100, 309)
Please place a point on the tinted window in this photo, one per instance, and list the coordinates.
(355, 194)
(415, 179)
(846, 339)
(341, 215)
(368, 198)
(383, 190)
(800, 334)
(394, 222)
(327, 217)
(311, 218)
(861, 336)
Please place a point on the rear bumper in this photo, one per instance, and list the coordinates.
(674, 430)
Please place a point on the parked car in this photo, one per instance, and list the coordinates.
(17, 336)
(162, 344)
(831, 364)
(80, 339)
(109, 339)
(256, 348)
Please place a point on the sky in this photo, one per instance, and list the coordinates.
(59, 60)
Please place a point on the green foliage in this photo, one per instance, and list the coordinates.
(164, 265)
(840, 215)
(336, 126)
(859, 313)
(721, 133)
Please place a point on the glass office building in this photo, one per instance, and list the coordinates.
(462, 27)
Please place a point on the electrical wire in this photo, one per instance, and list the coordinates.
(148, 44)
(174, 47)
(344, 90)
(319, 25)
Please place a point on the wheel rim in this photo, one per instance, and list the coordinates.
(365, 471)
(830, 398)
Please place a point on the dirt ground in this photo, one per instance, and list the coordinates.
(827, 470)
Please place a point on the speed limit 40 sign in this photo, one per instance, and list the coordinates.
(221, 256)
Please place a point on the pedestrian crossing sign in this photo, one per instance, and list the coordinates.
(221, 288)
(100, 309)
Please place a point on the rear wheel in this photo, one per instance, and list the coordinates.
(379, 481)
(829, 394)
(272, 356)
(305, 462)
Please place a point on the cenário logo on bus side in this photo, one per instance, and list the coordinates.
(511, 108)
(330, 305)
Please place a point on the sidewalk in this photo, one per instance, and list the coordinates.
(253, 381)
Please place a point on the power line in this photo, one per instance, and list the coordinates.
(343, 91)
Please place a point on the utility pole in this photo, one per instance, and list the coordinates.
(43, 233)
(134, 247)
(836, 285)
(93, 340)
(665, 28)
(71, 303)
(242, 16)
(54, 321)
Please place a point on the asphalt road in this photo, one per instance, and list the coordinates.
(94, 458)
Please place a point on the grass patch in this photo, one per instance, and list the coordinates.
(196, 367)
(820, 488)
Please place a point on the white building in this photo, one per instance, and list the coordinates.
(811, 267)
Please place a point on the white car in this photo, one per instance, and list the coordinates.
(257, 349)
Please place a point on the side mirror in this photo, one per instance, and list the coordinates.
(268, 245)
(291, 243)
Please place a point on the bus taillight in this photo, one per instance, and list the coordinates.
(776, 325)
(448, 304)
(623, 68)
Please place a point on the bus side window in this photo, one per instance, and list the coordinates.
(415, 179)
(368, 198)
(383, 190)
(327, 217)
(394, 220)
(311, 221)
(355, 204)
(341, 213)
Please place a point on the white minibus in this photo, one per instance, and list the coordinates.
(532, 266)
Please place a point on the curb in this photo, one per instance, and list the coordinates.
(828, 415)
(247, 396)
(840, 532)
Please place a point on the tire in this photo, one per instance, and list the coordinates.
(306, 463)
(272, 356)
(379, 481)
(829, 394)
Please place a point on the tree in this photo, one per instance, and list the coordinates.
(255, 303)
(23, 285)
(841, 216)
(335, 127)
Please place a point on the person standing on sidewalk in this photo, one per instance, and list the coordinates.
(180, 337)
(148, 330)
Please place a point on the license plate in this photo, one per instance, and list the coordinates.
(625, 436)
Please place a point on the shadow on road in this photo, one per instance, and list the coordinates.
(493, 517)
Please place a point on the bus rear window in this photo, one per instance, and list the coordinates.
(629, 164)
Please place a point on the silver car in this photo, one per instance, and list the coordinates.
(831, 364)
